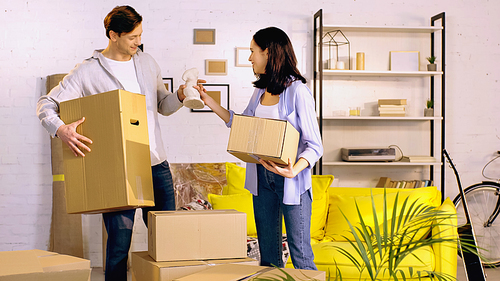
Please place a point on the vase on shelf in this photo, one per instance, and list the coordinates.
(428, 112)
(432, 67)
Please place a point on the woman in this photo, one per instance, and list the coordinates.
(281, 93)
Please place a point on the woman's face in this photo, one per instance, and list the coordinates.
(258, 58)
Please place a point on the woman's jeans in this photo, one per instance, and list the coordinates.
(119, 224)
(269, 209)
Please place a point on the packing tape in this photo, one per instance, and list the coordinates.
(58, 177)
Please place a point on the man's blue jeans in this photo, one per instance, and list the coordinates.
(119, 224)
(269, 209)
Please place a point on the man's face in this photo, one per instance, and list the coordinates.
(129, 42)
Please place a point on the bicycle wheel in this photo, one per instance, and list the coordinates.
(481, 201)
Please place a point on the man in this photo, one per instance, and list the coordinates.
(122, 65)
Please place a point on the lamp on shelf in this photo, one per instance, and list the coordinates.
(333, 40)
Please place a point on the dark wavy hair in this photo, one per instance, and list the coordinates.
(281, 68)
(122, 19)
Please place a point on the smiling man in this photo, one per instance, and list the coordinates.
(122, 65)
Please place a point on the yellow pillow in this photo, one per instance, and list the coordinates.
(242, 202)
(337, 225)
(235, 177)
(320, 185)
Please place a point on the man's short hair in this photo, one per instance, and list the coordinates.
(122, 19)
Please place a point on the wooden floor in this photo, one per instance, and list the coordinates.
(492, 274)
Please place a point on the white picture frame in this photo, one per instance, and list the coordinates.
(242, 55)
(216, 67)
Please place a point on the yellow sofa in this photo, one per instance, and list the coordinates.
(329, 227)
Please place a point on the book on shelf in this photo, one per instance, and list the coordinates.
(418, 159)
(391, 109)
(392, 102)
(381, 110)
(391, 106)
(392, 114)
(385, 182)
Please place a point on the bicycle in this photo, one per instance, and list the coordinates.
(483, 202)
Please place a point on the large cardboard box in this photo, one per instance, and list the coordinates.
(234, 272)
(144, 268)
(252, 138)
(66, 229)
(116, 174)
(197, 235)
(42, 266)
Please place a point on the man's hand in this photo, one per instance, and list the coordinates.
(68, 135)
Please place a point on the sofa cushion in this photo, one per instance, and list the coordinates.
(327, 257)
(344, 199)
(319, 214)
(235, 176)
(242, 202)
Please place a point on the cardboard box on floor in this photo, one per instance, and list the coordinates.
(252, 138)
(116, 174)
(42, 266)
(66, 229)
(234, 272)
(144, 268)
(197, 235)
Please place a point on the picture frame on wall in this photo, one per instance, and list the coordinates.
(242, 55)
(204, 36)
(169, 84)
(219, 92)
(216, 67)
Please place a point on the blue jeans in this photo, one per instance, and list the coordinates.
(119, 224)
(269, 210)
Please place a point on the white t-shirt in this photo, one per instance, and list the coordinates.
(267, 111)
(125, 72)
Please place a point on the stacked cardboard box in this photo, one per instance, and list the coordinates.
(43, 266)
(185, 242)
(230, 272)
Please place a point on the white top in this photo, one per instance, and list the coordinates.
(267, 111)
(124, 71)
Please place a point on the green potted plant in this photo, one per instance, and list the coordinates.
(431, 66)
(429, 111)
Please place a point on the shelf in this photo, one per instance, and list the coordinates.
(329, 72)
(401, 29)
(396, 163)
(342, 86)
(375, 118)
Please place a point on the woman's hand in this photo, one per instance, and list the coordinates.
(286, 172)
(289, 171)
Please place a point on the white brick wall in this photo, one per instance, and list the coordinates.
(45, 37)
